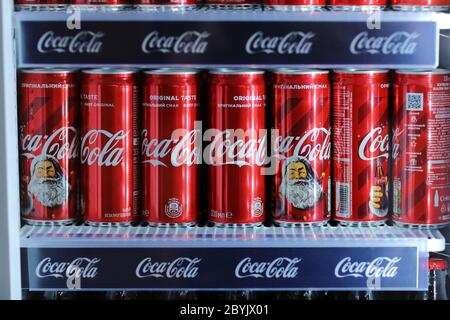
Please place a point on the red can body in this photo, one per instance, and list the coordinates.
(48, 105)
(236, 146)
(357, 3)
(171, 146)
(302, 145)
(233, 2)
(143, 3)
(442, 4)
(421, 182)
(41, 2)
(101, 2)
(302, 3)
(361, 145)
(109, 147)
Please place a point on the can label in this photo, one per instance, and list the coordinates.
(48, 147)
(303, 147)
(422, 149)
(170, 151)
(109, 149)
(361, 150)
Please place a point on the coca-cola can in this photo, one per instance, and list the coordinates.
(41, 5)
(166, 5)
(301, 143)
(233, 4)
(48, 124)
(361, 146)
(171, 146)
(295, 5)
(421, 5)
(109, 147)
(357, 5)
(102, 5)
(236, 150)
(421, 152)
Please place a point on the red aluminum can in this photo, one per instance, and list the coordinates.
(233, 4)
(162, 4)
(109, 147)
(421, 5)
(171, 146)
(44, 5)
(357, 5)
(295, 5)
(48, 104)
(110, 5)
(361, 146)
(302, 146)
(237, 146)
(421, 173)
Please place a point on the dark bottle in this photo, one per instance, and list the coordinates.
(436, 280)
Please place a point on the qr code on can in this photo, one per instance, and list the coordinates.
(414, 101)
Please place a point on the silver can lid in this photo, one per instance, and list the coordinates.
(299, 71)
(236, 71)
(423, 71)
(109, 71)
(49, 70)
(171, 71)
(361, 71)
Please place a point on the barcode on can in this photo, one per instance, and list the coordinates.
(343, 200)
(414, 101)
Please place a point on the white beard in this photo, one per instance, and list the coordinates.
(48, 191)
(302, 194)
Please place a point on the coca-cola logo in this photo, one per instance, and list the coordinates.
(398, 43)
(381, 267)
(295, 42)
(235, 147)
(82, 42)
(181, 267)
(109, 154)
(281, 267)
(313, 144)
(182, 151)
(81, 267)
(189, 42)
(62, 143)
(374, 145)
(396, 143)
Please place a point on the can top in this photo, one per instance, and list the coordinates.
(172, 71)
(361, 71)
(109, 71)
(237, 71)
(300, 71)
(437, 264)
(49, 70)
(423, 71)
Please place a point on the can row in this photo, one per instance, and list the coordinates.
(282, 5)
(115, 146)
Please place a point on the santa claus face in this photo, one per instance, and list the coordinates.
(48, 186)
(300, 187)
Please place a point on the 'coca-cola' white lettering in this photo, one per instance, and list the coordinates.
(396, 143)
(82, 42)
(295, 42)
(235, 147)
(378, 148)
(314, 144)
(381, 267)
(62, 143)
(81, 267)
(398, 43)
(111, 154)
(181, 267)
(182, 151)
(189, 42)
(281, 267)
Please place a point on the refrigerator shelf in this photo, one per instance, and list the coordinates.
(260, 258)
(212, 39)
